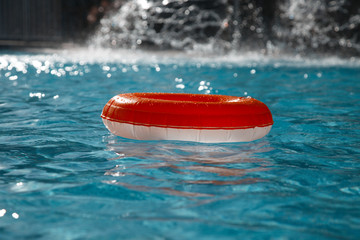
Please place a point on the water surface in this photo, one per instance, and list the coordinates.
(64, 176)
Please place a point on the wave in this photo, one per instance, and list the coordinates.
(98, 55)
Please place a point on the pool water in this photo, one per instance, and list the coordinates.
(64, 176)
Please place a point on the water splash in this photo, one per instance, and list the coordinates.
(320, 25)
(52, 61)
(162, 24)
(300, 26)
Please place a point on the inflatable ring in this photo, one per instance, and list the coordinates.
(187, 117)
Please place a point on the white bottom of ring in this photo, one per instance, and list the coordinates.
(196, 135)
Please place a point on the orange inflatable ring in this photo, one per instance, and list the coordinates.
(187, 117)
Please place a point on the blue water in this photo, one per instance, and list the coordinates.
(64, 176)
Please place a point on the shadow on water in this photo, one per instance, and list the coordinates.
(186, 169)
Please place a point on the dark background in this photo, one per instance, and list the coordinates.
(47, 22)
(335, 27)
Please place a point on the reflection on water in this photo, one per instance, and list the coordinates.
(190, 170)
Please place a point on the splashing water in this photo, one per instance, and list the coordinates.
(320, 25)
(299, 26)
(166, 24)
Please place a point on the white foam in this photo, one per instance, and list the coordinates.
(89, 55)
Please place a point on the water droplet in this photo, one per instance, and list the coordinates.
(15, 215)
(2, 212)
(68, 69)
(181, 86)
(135, 68)
(13, 78)
(38, 95)
(202, 87)
(144, 4)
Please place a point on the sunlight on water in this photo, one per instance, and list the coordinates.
(80, 57)
(64, 175)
